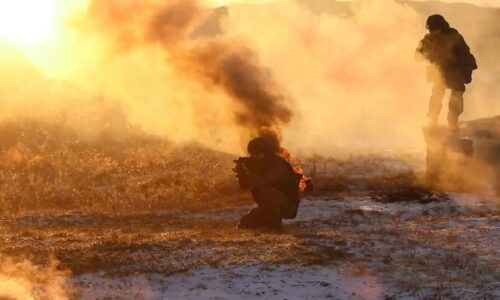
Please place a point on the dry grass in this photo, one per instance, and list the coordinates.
(384, 178)
(48, 167)
(140, 204)
(361, 173)
(154, 244)
(45, 167)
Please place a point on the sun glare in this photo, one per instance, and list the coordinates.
(27, 23)
(217, 3)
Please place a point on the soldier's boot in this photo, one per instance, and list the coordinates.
(260, 218)
(274, 222)
(254, 219)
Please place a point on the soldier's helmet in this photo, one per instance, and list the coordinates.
(435, 22)
(261, 145)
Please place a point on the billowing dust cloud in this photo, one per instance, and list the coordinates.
(321, 81)
(23, 280)
(354, 79)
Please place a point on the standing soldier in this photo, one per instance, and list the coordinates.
(452, 66)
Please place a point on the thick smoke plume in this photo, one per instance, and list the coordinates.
(217, 62)
(260, 106)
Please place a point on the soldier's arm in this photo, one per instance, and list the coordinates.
(422, 51)
(419, 53)
(462, 53)
(244, 181)
(274, 172)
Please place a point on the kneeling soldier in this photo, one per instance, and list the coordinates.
(272, 182)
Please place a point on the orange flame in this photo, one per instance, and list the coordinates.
(285, 154)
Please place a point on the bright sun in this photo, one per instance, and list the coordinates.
(27, 23)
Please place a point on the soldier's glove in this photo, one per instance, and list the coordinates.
(239, 169)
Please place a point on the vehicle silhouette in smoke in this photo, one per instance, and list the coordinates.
(464, 160)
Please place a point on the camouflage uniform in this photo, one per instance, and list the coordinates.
(274, 187)
(452, 66)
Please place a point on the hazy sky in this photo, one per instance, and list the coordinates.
(495, 3)
(477, 2)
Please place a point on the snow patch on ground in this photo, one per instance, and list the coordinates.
(235, 282)
(444, 249)
(326, 208)
(373, 250)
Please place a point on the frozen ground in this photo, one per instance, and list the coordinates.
(337, 248)
(253, 281)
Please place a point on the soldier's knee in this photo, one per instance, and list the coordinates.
(456, 95)
(252, 220)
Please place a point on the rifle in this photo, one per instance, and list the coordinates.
(243, 165)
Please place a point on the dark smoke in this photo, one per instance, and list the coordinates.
(171, 24)
(257, 104)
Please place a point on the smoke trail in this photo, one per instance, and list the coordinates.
(259, 104)
(222, 63)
